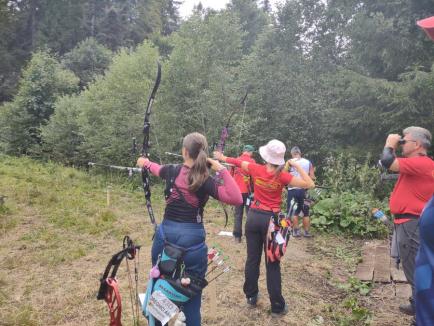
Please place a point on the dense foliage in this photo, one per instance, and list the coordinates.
(29, 25)
(355, 190)
(88, 60)
(44, 81)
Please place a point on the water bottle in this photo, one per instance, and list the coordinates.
(380, 216)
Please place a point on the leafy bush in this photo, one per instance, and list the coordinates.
(354, 285)
(348, 212)
(358, 313)
(43, 81)
(61, 136)
(98, 124)
(346, 173)
(347, 206)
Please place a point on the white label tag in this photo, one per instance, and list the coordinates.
(279, 238)
(226, 233)
(161, 307)
(142, 298)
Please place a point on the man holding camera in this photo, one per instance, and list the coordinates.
(415, 186)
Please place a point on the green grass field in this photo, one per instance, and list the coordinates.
(57, 233)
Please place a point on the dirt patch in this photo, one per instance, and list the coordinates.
(50, 276)
(311, 280)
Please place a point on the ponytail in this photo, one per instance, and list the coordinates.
(278, 171)
(198, 172)
(196, 146)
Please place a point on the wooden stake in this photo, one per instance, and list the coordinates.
(108, 195)
(213, 299)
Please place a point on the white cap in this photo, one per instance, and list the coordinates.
(273, 152)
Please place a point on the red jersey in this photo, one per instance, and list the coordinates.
(268, 187)
(241, 177)
(415, 186)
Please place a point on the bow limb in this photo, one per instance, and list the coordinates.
(221, 144)
(145, 148)
(226, 215)
(225, 131)
(114, 302)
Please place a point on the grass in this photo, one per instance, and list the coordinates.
(24, 316)
(58, 221)
(57, 234)
(68, 198)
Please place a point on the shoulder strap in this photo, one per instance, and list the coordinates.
(172, 174)
(201, 195)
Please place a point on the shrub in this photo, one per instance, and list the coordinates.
(355, 190)
(345, 173)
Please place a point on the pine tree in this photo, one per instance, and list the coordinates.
(170, 16)
(266, 6)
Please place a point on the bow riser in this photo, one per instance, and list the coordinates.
(109, 289)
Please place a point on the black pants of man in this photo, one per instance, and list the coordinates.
(298, 195)
(408, 245)
(256, 233)
(238, 222)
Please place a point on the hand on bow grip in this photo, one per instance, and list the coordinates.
(292, 163)
(143, 162)
(219, 156)
(214, 165)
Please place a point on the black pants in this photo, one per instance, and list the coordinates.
(298, 195)
(256, 233)
(408, 245)
(238, 221)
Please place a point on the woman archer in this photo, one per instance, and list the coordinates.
(268, 181)
(182, 226)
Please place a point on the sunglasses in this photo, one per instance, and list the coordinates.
(403, 141)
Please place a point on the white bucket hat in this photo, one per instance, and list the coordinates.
(273, 152)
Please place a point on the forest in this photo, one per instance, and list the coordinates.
(329, 76)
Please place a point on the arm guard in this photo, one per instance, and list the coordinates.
(387, 157)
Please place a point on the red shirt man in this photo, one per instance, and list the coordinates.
(415, 186)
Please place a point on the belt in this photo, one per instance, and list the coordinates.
(192, 248)
(406, 216)
(259, 206)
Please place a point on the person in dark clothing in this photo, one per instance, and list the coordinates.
(415, 186)
(183, 216)
(424, 272)
(244, 184)
(298, 195)
(268, 180)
